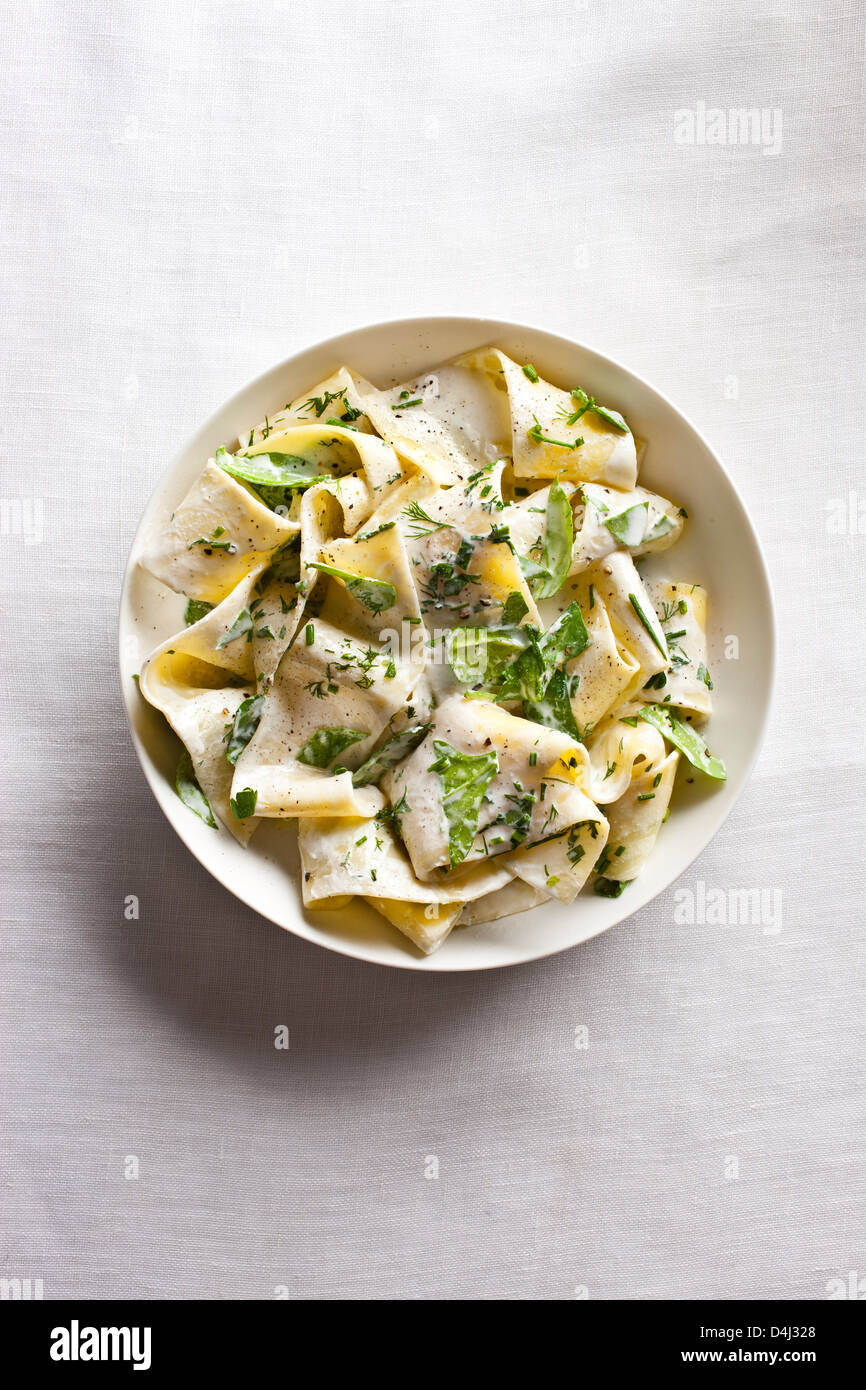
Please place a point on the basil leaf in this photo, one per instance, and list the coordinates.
(189, 791)
(629, 527)
(547, 579)
(246, 721)
(196, 609)
(244, 804)
(566, 639)
(242, 623)
(685, 738)
(325, 745)
(481, 654)
(554, 709)
(392, 752)
(374, 594)
(464, 778)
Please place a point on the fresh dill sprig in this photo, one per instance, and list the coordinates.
(420, 522)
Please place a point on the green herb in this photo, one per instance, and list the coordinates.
(392, 815)
(491, 497)
(686, 739)
(547, 578)
(189, 791)
(407, 404)
(610, 887)
(244, 804)
(196, 609)
(500, 535)
(325, 745)
(538, 435)
(585, 403)
(242, 623)
(320, 403)
(213, 542)
(309, 635)
(530, 372)
(368, 535)
(392, 752)
(520, 815)
(464, 779)
(661, 644)
(647, 796)
(244, 725)
(374, 594)
(421, 523)
(704, 675)
(447, 579)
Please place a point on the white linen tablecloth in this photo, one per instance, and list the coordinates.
(189, 193)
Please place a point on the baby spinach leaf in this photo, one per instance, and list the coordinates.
(554, 709)
(246, 721)
(610, 887)
(242, 623)
(196, 609)
(464, 778)
(392, 752)
(481, 654)
(566, 639)
(244, 804)
(325, 745)
(515, 608)
(189, 791)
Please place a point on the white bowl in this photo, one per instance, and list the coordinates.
(719, 549)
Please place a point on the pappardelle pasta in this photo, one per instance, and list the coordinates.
(416, 624)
